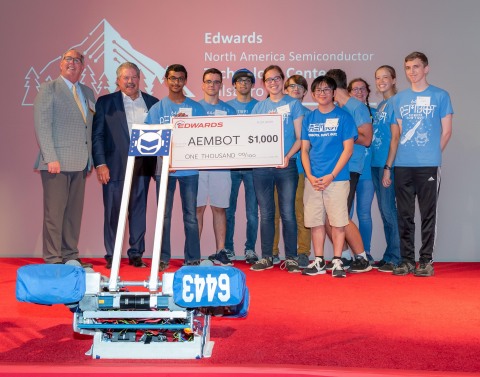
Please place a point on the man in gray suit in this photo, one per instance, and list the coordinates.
(63, 112)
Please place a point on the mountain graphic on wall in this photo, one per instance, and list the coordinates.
(104, 50)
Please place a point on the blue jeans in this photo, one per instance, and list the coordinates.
(188, 195)
(388, 212)
(364, 195)
(285, 180)
(251, 209)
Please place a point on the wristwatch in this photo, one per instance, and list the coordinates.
(386, 167)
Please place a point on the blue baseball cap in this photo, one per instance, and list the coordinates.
(243, 72)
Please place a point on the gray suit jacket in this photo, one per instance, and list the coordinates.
(61, 132)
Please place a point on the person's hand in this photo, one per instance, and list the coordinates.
(286, 160)
(315, 182)
(325, 181)
(54, 167)
(386, 180)
(103, 174)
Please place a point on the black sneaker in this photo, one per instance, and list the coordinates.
(230, 254)
(221, 258)
(378, 264)
(360, 265)
(303, 261)
(317, 267)
(192, 263)
(347, 263)
(387, 267)
(424, 269)
(403, 269)
(291, 265)
(263, 264)
(338, 271)
(250, 256)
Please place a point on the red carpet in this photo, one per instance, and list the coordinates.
(371, 324)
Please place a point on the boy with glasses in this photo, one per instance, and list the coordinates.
(176, 104)
(328, 135)
(214, 186)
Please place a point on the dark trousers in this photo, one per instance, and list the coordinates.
(143, 172)
(354, 177)
(422, 183)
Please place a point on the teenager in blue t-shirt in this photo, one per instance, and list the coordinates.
(177, 104)
(382, 175)
(328, 135)
(284, 177)
(424, 117)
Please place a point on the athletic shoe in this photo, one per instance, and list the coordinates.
(317, 267)
(302, 260)
(387, 267)
(221, 258)
(162, 266)
(424, 269)
(263, 264)
(250, 256)
(347, 263)
(230, 254)
(338, 271)
(276, 259)
(192, 263)
(403, 269)
(378, 264)
(360, 265)
(291, 265)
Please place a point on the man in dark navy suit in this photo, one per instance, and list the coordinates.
(112, 125)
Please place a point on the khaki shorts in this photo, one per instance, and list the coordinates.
(331, 202)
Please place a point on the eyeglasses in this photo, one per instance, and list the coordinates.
(244, 81)
(273, 79)
(180, 80)
(70, 59)
(362, 89)
(296, 86)
(212, 82)
(323, 90)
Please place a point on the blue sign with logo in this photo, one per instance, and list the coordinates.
(150, 142)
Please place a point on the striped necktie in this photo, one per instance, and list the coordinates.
(79, 104)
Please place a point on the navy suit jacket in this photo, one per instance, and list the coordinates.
(110, 137)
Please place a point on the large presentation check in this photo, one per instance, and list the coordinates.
(216, 142)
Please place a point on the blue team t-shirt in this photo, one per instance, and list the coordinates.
(383, 119)
(242, 108)
(361, 115)
(220, 108)
(421, 114)
(300, 168)
(290, 109)
(162, 113)
(326, 134)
